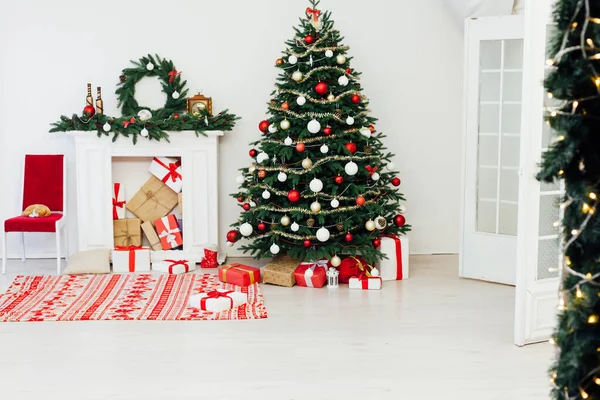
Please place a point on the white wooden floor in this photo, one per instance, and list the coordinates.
(431, 337)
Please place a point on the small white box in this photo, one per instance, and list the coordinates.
(395, 267)
(174, 266)
(218, 300)
(131, 259)
(365, 283)
(167, 170)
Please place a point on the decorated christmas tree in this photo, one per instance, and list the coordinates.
(574, 82)
(321, 183)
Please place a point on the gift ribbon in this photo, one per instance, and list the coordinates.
(315, 13)
(237, 267)
(371, 170)
(172, 168)
(127, 123)
(365, 279)
(127, 241)
(178, 262)
(362, 267)
(173, 74)
(310, 271)
(215, 294)
(115, 202)
(169, 235)
(399, 275)
(131, 250)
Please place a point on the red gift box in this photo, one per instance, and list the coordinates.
(353, 266)
(311, 274)
(168, 232)
(239, 274)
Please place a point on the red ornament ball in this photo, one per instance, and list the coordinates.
(175, 115)
(264, 126)
(349, 237)
(300, 147)
(246, 206)
(307, 243)
(232, 236)
(348, 70)
(399, 220)
(396, 181)
(376, 243)
(355, 99)
(89, 111)
(327, 130)
(360, 201)
(339, 179)
(262, 174)
(321, 88)
(351, 147)
(294, 196)
(240, 199)
(309, 39)
(261, 226)
(253, 153)
(285, 105)
(372, 129)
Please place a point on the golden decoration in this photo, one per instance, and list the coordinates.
(319, 101)
(262, 174)
(319, 69)
(310, 222)
(279, 62)
(368, 150)
(322, 161)
(314, 138)
(313, 48)
(273, 103)
(312, 195)
(338, 114)
(309, 212)
(340, 226)
(198, 104)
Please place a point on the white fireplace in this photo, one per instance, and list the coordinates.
(94, 175)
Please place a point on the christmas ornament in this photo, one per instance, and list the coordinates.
(399, 220)
(285, 220)
(274, 249)
(316, 185)
(175, 115)
(376, 244)
(340, 226)
(297, 76)
(252, 168)
(89, 111)
(310, 222)
(272, 128)
(293, 196)
(328, 53)
(266, 194)
(340, 59)
(321, 88)
(300, 147)
(323, 234)
(351, 147)
(261, 226)
(175, 95)
(335, 203)
(285, 105)
(307, 163)
(366, 132)
(396, 181)
(262, 174)
(380, 223)
(375, 176)
(292, 59)
(360, 201)
(370, 225)
(282, 177)
(106, 127)
(327, 130)
(99, 102)
(368, 150)
(315, 206)
(301, 100)
(262, 157)
(263, 126)
(144, 132)
(338, 113)
(348, 70)
(372, 129)
(252, 204)
(350, 121)
(335, 261)
(246, 206)
(295, 227)
(324, 149)
(240, 199)
(252, 152)
(348, 237)
(279, 62)
(288, 141)
(339, 179)
(229, 244)
(149, 66)
(351, 168)
(285, 124)
(355, 99)
(246, 229)
(314, 126)
(144, 115)
(390, 166)
(232, 236)
(343, 80)
(309, 39)
(240, 179)
(307, 243)
(330, 97)
(127, 123)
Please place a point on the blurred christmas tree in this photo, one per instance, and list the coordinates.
(322, 183)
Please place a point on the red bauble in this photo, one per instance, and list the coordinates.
(355, 99)
(253, 152)
(372, 129)
(327, 130)
(349, 237)
(351, 147)
(339, 179)
(300, 147)
(232, 236)
(285, 105)
(348, 70)
(399, 220)
(261, 226)
(89, 111)
(360, 201)
(240, 199)
(246, 206)
(307, 243)
(262, 174)
(376, 243)
(321, 88)
(175, 115)
(309, 39)
(294, 196)
(396, 181)
(264, 126)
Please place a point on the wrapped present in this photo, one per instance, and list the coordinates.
(180, 201)
(311, 274)
(127, 232)
(395, 267)
(130, 259)
(154, 200)
(239, 274)
(168, 232)
(364, 282)
(118, 201)
(280, 271)
(352, 266)
(174, 266)
(151, 235)
(218, 300)
(168, 170)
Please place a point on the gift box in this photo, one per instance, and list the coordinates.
(118, 201)
(127, 232)
(168, 170)
(154, 200)
(280, 271)
(130, 259)
(168, 232)
(239, 274)
(311, 274)
(395, 267)
(365, 282)
(174, 266)
(352, 266)
(180, 201)
(151, 235)
(218, 300)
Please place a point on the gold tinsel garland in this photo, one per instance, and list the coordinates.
(310, 212)
(298, 237)
(323, 195)
(320, 101)
(323, 68)
(314, 138)
(313, 48)
(316, 115)
(318, 163)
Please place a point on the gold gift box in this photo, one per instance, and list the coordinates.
(127, 232)
(280, 271)
(153, 201)
(152, 236)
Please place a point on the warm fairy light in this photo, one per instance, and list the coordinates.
(553, 113)
(597, 380)
(590, 42)
(574, 232)
(594, 20)
(574, 24)
(567, 261)
(560, 138)
(588, 275)
(593, 319)
(549, 61)
(595, 57)
(597, 81)
(560, 172)
(586, 208)
(592, 196)
(551, 341)
(550, 95)
(584, 395)
(556, 224)
(579, 293)
(575, 105)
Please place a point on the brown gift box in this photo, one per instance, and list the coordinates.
(280, 271)
(151, 235)
(126, 232)
(153, 201)
(180, 201)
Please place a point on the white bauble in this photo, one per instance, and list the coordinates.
(252, 204)
(149, 66)
(144, 132)
(366, 132)
(329, 53)
(375, 176)
(351, 168)
(144, 115)
(240, 179)
(106, 127)
(297, 76)
(316, 185)
(307, 163)
(335, 261)
(251, 169)
(261, 157)
(266, 195)
(370, 225)
(229, 244)
(335, 203)
(272, 128)
(292, 59)
(315, 206)
(390, 166)
(374, 272)
(285, 124)
(340, 59)
(295, 227)
(301, 100)
(324, 149)
(285, 220)
(282, 177)
(343, 80)
(288, 141)
(323, 234)
(314, 126)
(380, 223)
(350, 121)
(274, 249)
(175, 95)
(246, 229)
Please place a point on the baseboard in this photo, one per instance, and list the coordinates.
(16, 256)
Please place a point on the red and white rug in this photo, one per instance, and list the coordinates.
(118, 297)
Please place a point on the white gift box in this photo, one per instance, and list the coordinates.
(174, 266)
(395, 267)
(365, 283)
(118, 201)
(130, 259)
(167, 170)
(218, 300)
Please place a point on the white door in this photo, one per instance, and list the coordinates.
(538, 247)
(493, 90)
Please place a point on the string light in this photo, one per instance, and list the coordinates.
(594, 20)
(593, 319)
(590, 42)
(574, 25)
(597, 380)
(584, 394)
(574, 232)
(575, 105)
(550, 95)
(593, 196)
(561, 172)
(553, 113)
(586, 208)
(579, 293)
(549, 62)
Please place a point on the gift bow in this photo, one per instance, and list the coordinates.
(173, 74)
(371, 170)
(127, 123)
(315, 13)
(115, 202)
(238, 267)
(215, 294)
(178, 262)
(361, 267)
(131, 250)
(172, 168)
(311, 270)
(170, 236)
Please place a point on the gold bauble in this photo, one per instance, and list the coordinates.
(285, 220)
(307, 163)
(370, 225)
(340, 226)
(315, 206)
(297, 76)
(331, 97)
(310, 222)
(279, 62)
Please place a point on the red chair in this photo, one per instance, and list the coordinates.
(44, 182)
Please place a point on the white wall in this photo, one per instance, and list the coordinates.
(410, 53)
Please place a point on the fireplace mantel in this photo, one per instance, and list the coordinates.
(199, 159)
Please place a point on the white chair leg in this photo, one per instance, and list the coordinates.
(66, 244)
(4, 252)
(23, 246)
(57, 250)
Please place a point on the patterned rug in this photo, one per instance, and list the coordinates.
(118, 297)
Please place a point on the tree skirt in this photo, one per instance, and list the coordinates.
(119, 297)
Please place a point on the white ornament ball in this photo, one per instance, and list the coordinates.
(252, 204)
(307, 163)
(288, 141)
(292, 59)
(272, 128)
(240, 179)
(229, 244)
(144, 132)
(374, 272)
(351, 168)
(335, 203)
(106, 127)
(144, 115)
(274, 249)
(375, 176)
(370, 225)
(350, 121)
(266, 195)
(380, 223)
(366, 132)
(251, 169)
(323, 234)
(315, 206)
(285, 220)
(246, 229)
(329, 53)
(343, 80)
(314, 126)
(149, 66)
(301, 100)
(261, 157)
(335, 261)
(340, 59)
(285, 124)
(316, 185)
(175, 95)
(297, 76)
(282, 177)
(324, 149)
(390, 166)
(295, 227)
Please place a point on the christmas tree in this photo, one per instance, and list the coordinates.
(321, 182)
(574, 82)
